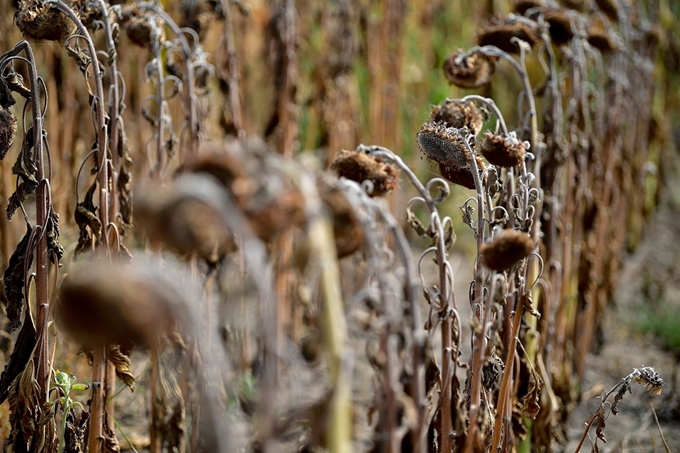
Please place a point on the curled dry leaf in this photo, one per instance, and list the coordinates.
(26, 169)
(360, 167)
(125, 199)
(38, 20)
(119, 356)
(88, 223)
(54, 248)
(469, 71)
(530, 405)
(25, 412)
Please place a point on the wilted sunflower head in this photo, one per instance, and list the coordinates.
(458, 114)
(506, 249)
(41, 21)
(360, 167)
(469, 71)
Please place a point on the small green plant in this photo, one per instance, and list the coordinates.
(63, 386)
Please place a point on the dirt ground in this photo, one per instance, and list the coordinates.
(650, 276)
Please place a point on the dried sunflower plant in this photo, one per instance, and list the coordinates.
(505, 389)
(25, 381)
(280, 301)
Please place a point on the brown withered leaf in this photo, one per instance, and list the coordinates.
(74, 437)
(21, 355)
(54, 248)
(125, 191)
(24, 410)
(110, 441)
(15, 82)
(81, 56)
(25, 166)
(119, 356)
(530, 402)
(601, 424)
(89, 224)
(15, 200)
(15, 279)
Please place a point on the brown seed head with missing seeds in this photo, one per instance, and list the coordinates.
(462, 176)
(501, 34)
(503, 151)
(443, 145)
(458, 114)
(506, 249)
(8, 131)
(143, 28)
(360, 167)
(471, 71)
(40, 21)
